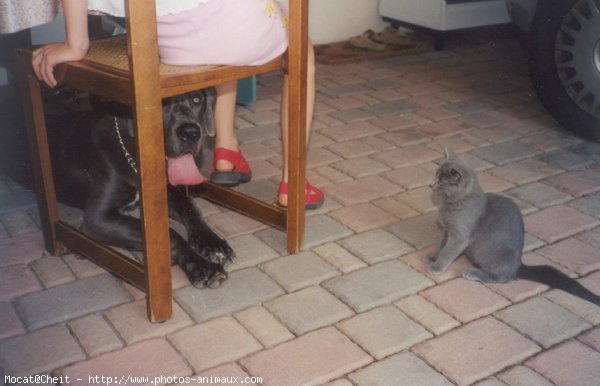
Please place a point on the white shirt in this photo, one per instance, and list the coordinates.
(163, 7)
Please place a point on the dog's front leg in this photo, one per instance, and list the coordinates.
(200, 236)
(104, 221)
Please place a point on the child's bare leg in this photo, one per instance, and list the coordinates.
(225, 122)
(310, 107)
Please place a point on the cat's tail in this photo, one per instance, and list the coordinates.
(554, 278)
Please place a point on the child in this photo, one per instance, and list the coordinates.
(203, 32)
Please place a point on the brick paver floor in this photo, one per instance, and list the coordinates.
(357, 305)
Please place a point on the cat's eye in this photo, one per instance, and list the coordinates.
(196, 100)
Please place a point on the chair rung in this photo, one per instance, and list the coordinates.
(119, 264)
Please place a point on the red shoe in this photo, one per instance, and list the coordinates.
(313, 197)
(241, 170)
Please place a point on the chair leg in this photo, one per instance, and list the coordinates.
(40, 158)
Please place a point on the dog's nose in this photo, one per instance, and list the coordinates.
(188, 132)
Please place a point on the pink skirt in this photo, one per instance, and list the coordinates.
(227, 32)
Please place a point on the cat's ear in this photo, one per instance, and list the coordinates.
(450, 154)
(456, 176)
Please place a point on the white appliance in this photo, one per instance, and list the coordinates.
(440, 16)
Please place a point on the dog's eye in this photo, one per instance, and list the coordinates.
(196, 100)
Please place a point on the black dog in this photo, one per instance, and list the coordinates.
(95, 170)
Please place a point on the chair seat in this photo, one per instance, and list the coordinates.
(105, 72)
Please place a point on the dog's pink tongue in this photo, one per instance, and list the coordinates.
(183, 171)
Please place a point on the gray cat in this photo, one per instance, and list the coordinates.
(488, 229)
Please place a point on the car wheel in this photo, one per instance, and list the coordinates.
(565, 63)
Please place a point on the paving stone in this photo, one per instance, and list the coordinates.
(295, 363)
(69, 301)
(11, 325)
(52, 271)
(540, 195)
(95, 334)
(410, 177)
(407, 156)
(418, 199)
(244, 288)
(363, 217)
(383, 331)
(155, 359)
(339, 382)
(228, 371)
(308, 309)
(492, 381)
(427, 314)
(468, 107)
(464, 299)
(352, 149)
(17, 223)
(131, 322)
(557, 222)
(404, 369)
(543, 321)
(81, 266)
(583, 371)
(350, 131)
(592, 237)
(574, 254)
(17, 280)
(420, 232)
(589, 205)
(491, 183)
(524, 172)
(360, 167)
(39, 352)
(389, 108)
(445, 128)
(503, 153)
(586, 310)
(591, 338)
(250, 251)
(361, 190)
(339, 257)
(375, 246)
(263, 326)
(576, 183)
(517, 290)
(231, 224)
(486, 347)
(222, 340)
(294, 272)
(377, 285)
(523, 376)
(565, 159)
(395, 207)
(400, 138)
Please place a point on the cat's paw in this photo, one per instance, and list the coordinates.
(435, 269)
(429, 258)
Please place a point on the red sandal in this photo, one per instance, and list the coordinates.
(313, 197)
(241, 170)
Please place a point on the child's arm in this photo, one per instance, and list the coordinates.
(74, 48)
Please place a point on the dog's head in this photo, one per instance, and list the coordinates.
(189, 130)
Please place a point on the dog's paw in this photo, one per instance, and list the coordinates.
(206, 275)
(214, 249)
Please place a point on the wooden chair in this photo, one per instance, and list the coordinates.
(127, 70)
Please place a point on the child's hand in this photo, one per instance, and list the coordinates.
(45, 58)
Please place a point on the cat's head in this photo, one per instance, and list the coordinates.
(454, 178)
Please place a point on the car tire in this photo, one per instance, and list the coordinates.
(565, 63)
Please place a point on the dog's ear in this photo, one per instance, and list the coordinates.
(208, 118)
